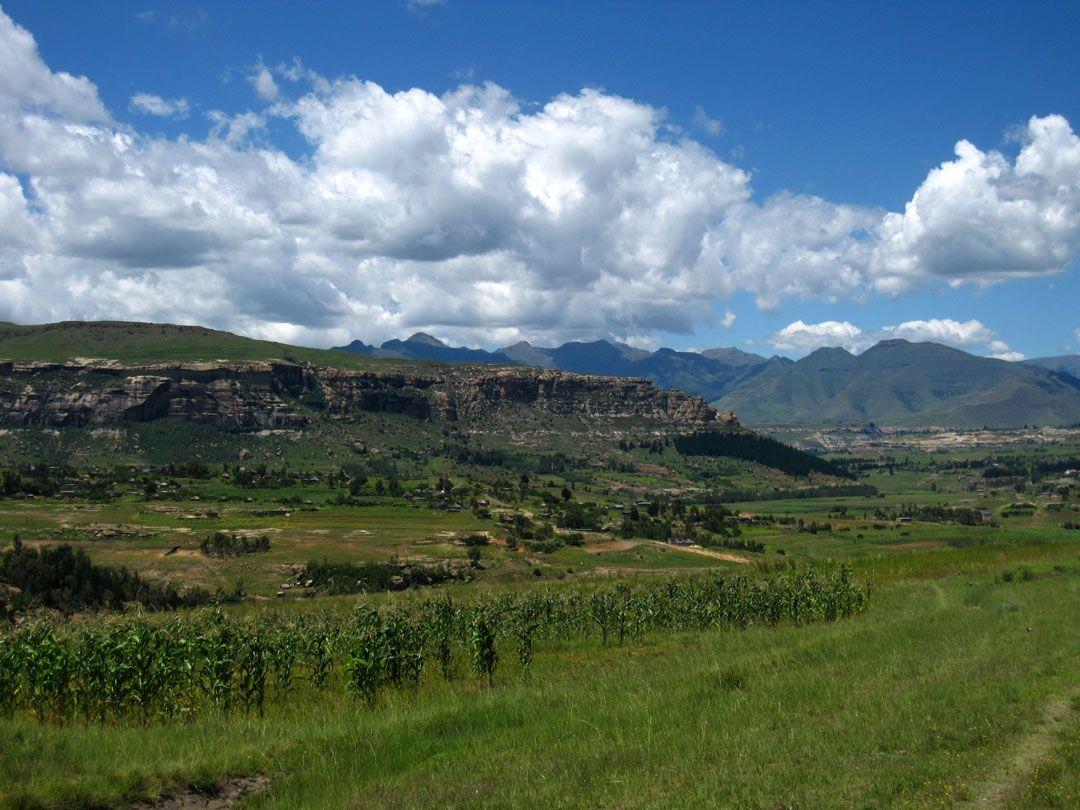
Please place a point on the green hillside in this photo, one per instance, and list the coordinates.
(148, 342)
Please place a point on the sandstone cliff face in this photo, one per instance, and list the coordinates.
(259, 395)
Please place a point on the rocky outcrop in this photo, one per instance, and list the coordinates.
(59, 395)
(288, 395)
(484, 392)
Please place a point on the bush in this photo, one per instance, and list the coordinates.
(223, 545)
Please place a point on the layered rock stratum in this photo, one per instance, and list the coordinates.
(254, 395)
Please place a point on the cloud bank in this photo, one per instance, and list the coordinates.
(468, 213)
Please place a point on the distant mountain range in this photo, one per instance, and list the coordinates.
(893, 383)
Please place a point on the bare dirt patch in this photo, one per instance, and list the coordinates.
(653, 469)
(708, 552)
(256, 532)
(628, 545)
(613, 545)
(228, 794)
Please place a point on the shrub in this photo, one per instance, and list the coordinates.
(223, 545)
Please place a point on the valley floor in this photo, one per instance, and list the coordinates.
(960, 689)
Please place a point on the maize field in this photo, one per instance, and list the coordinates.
(147, 669)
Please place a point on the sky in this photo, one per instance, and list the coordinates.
(772, 176)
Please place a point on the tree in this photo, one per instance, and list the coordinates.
(357, 484)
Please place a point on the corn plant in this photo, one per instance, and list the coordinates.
(143, 669)
(482, 643)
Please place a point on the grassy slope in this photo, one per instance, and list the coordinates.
(884, 709)
(145, 342)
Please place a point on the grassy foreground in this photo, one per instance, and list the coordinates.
(945, 691)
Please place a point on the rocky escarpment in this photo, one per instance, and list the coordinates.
(279, 394)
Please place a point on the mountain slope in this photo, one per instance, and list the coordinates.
(422, 346)
(894, 383)
(733, 357)
(897, 382)
(1063, 364)
(691, 372)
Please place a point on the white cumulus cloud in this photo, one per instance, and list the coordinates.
(972, 335)
(803, 337)
(472, 215)
(943, 330)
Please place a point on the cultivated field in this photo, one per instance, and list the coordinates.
(632, 634)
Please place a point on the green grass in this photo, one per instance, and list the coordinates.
(939, 693)
(335, 533)
(149, 342)
(1054, 781)
(920, 701)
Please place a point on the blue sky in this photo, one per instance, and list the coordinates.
(853, 104)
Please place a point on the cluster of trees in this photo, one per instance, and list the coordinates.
(537, 536)
(63, 578)
(710, 524)
(654, 446)
(929, 513)
(345, 578)
(752, 447)
(713, 517)
(635, 524)
(192, 468)
(580, 516)
(507, 459)
(94, 483)
(812, 526)
(260, 476)
(34, 480)
(778, 494)
(44, 480)
(223, 545)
